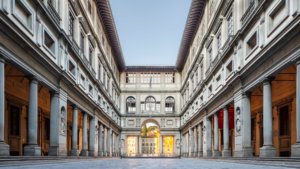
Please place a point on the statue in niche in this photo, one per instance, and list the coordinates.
(238, 121)
(63, 121)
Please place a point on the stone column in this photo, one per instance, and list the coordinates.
(100, 140)
(207, 138)
(4, 148)
(84, 151)
(216, 152)
(74, 151)
(105, 142)
(109, 145)
(161, 145)
(267, 150)
(200, 146)
(296, 147)
(58, 124)
(140, 145)
(92, 137)
(195, 142)
(226, 152)
(191, 140)
(32, 148)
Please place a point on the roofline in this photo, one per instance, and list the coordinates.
(105, 13)
(191, 27)
(150, 68)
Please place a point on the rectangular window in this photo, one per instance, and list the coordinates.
(82, 42)
(82, 80)
(229, 68)
(130, 78)
(49, 42)
(219, 41)
(23, 14)
(72, 68)
(230, 27)
(91, 52)
(209, 57)
(71, 24)
(251, 43)
(170, 77)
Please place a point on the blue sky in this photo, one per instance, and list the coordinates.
(150, 31)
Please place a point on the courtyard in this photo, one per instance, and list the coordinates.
(190, 163)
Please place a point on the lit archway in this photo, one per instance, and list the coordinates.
(150, 134)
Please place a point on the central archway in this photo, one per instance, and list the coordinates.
(150, 134)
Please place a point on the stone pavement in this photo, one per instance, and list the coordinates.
(144, 164)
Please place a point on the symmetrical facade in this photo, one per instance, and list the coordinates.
(234, 91)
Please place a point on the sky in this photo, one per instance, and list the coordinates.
(150, 31)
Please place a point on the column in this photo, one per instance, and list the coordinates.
(140, 145)
(296, 147)
(74, 151)
(84, 151)
(105, 142)
(190, 142)
(226, 152)
(195, 142)
(92, 137)
(161, 145)
(207, 138)
(109, 145)
(216, 152)
(4, 148)
(200, 146)
(267, 150)
(100, 141)
(32, 148)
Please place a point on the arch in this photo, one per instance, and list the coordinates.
(130, 104)
(170, 104)
(150, 129)
(150, 103)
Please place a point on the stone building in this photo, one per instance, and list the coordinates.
(65, 88)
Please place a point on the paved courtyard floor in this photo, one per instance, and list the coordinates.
(144, 164)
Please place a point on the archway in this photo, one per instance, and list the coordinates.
(150, 134)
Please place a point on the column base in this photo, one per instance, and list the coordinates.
(216, 153)
(267, 151)
(92, 153)
(226, 153)
(74, 152)
(100, 154)
(56, 151)
(32, 150)
(245, 152)
(207, 154)
(296, 150)
(4, 149)
(84, 153)
(200, 154)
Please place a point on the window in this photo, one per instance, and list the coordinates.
(251, 43)
(72, 68)
(82, 80)
(218, 80)
(229, 68)
(230, 27)
(91, 52)
(23, 14)
(150, 104)
(170, 77)
(90, 6)
(150, 78)
(130, 104)
(49, 42)
(219, 41)
(130, 78)
(209, 57)
(91, 89)
(71, 24)
(170, 104)
(209, 90)
(81, 42)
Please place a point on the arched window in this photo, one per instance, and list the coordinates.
(150, 103)
(130, 104)
(170, 104)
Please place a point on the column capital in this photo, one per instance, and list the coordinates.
(268, 79)
(2, 60)
(33, 79)
(74, 106)
(298, 62)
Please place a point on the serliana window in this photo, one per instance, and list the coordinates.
(170, 104)
(150, 104)
(130, 105)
